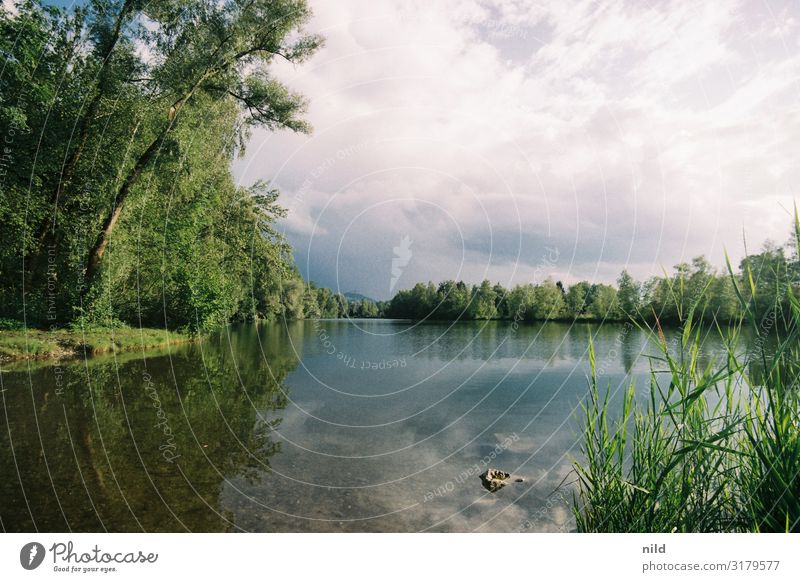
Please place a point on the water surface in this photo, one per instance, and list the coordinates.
(361, 425)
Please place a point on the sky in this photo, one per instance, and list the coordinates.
(517, 139)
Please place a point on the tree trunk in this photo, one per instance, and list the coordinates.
(100, 245)
(83, 135)
(99, 248)
(45, 236)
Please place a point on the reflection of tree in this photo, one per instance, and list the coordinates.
(479, 340)
(630, 347)
(98, 450)
(760, 366)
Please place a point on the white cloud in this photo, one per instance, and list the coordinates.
(10, 6)
(623, 133)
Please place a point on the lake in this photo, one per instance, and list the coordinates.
(340, 425)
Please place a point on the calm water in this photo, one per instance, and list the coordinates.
(308, 426)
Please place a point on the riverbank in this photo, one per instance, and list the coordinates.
(36, 344)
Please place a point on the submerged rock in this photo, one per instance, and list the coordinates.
(494, 479)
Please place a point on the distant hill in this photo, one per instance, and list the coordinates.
(353, 296)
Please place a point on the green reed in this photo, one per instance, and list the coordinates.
(711, 448)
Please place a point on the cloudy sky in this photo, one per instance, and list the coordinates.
(516, 139)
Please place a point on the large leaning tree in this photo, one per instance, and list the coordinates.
(93, 98)
(223, 49)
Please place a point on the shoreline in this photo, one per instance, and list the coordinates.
(39, 345)
(63, 344)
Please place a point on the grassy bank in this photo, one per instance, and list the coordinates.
(705, 449)
(26, 344)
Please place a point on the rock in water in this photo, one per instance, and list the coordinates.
(494, 479)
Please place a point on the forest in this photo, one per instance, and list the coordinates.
(119, 123)
(697, 286)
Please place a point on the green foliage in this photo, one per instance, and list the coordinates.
(483, 304)
(548, 302)
(663, 467)
(715, 448)
(118, 202)
(11, 324)
(603, 304)
(82, 340)
(629, 295)
(363, 308)
(668, 300)
(577, 298)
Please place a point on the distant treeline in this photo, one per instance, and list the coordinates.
(710, 294)
(303, 300)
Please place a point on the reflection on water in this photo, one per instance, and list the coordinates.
(310, 426)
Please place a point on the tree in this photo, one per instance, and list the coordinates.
(40, 91)
(423, 298)
(311, 309)
(363, 308)
(106, 142)
(453, 301)
(769, 271)
(113, 62)
(660, 299)
(500, 301)
(604, 303)
(520, 303)
(221, 49)
(723, 303)
(330, 304)
(548, 301)
(483, 302)
(701, 276)
(576, 298)
(292, 298)
(628, 295)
